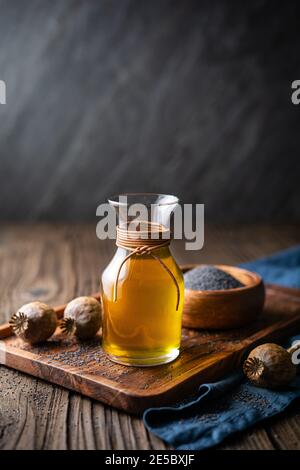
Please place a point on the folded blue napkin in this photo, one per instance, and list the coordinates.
(282, 268)
(232, 404)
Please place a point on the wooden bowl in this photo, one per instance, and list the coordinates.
(227, 308)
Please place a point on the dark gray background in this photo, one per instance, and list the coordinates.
(186, 97)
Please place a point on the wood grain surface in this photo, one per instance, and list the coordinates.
(205, 357)
(175, 96)
(55, 262)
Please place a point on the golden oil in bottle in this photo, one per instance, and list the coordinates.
(143, 326)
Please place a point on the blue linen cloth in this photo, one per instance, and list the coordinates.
(232, 404)
(281, 268)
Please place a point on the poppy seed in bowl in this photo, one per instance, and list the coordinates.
(210, 278)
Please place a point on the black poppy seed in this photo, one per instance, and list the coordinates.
(210, 278)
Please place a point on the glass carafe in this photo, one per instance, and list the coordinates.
(142, 287)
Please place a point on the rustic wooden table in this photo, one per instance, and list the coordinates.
(57, 262)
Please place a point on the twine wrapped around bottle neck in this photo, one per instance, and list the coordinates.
(146, 238)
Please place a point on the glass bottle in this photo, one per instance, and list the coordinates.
(142, 291)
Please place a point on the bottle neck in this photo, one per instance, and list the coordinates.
(161, 252)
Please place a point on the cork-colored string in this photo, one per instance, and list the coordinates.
(138, 245)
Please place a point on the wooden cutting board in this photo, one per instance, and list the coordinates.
(205, 356)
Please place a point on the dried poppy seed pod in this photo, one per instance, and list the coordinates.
(82, 317)
(34, 322)
(269, 366)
